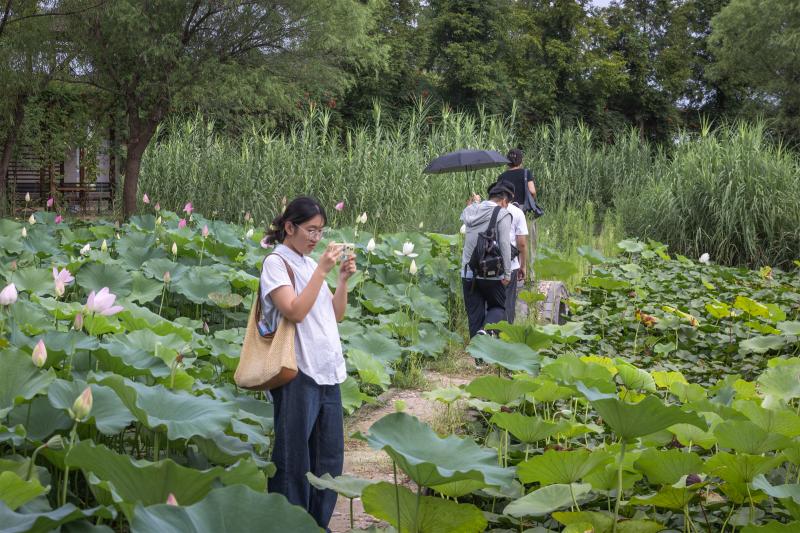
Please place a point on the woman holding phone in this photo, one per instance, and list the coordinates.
(309, 430)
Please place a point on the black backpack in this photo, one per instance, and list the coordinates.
(486, 260)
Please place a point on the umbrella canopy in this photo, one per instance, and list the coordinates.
(465, 160)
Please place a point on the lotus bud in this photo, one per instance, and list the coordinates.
(371, 245)
(104, 246)
(82, 406)
(24, 233)
(463, 229)
(705, 258)
(158, 206)
(188, 208)
(116, 235)
(413, 268)
(204, 231)
(56, 442)
(32, 220)
(27, 197)
(85, 250)
(420, 225)
(167, 277)
(174, 249)
(39, 355)
(249, 234)
(77, 325)
(8, 295)
(205, 328)
(339, 206)
(59, 219)
(158, 221)
(50, 202)
(171, 500)
(247, 216)
(145, 199)
(182, 223)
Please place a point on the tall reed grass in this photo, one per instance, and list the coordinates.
(729, 191)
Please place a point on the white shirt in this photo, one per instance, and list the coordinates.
(318, 348)
(518, 227)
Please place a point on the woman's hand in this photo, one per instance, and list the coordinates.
(347, 268)
(329, 257)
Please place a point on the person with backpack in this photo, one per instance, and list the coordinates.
(486, 258)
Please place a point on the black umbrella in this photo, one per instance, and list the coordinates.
(465, 160)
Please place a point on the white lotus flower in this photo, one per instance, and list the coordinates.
(420, 225)
(371, 245)
(39, 355)
(463, 229)
(413, 268)
(362, 219)
(249, 234)
(27, 197)
(705, 258)
(408, 250)
(85, 250)
(104, 246)
(8, 295)
(32, 220)
(174, 249)
(24, 233)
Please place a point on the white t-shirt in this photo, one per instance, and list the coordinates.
(318, 348)
(518, 227)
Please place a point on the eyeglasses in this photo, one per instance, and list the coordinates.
(313, 233)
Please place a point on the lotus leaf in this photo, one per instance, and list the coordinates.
(751, 307)
(561, 467)
(199, 282)
(526, 429)
(144, 290)
(370, 369)
(790, 328)
(745, 436)
(499, 390)
(777, 491)
(780, 384)
(156, 268)
(431, 460)
(378, 346)
(598, 521)
(182, 414)
(20, 379)
(780, 421)
(546, 500)
(15, 491)
(510, 356)
(428, 514)
(39, 418)
(446, 395)
(665, 467)
(95, 276)
(376, 299)
(740, 467)
(635, 378)
(43, 522)
(31, 318)
(347, 486)
(668, 497)
(34, 280)
(234, 508)
(763, 343)
(629, 421)
(352, 397)
(772, 527)
(605, 478)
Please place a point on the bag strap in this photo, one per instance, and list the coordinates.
(288, 271)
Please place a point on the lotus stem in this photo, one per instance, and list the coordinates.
(64, 485)
(416, 511)
(33, 460)
(352, 523)
(619, 484)
(396, 493)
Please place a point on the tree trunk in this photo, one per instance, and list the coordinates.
(140, 133)
(8, 149)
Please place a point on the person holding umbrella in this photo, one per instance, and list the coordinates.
(488, 231)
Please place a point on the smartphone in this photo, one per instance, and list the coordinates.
(348, 249)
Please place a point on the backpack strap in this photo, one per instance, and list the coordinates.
(493, 221)
(291, 278)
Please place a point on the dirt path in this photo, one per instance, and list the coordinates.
(362, 461)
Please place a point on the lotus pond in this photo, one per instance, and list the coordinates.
(669, 401)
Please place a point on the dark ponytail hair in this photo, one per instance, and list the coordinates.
(299, 210)
(515, 157)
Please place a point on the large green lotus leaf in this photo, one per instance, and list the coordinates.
(763, 343)
(740, 467)
(108, 412)
(182, 414)
(15, 491)
(68, 342)
(750, 306)
(41, 241)
(135, 249)
(39, 418)
(554, 267)
(20, 379)
(526, 429)
(629, 421)
(534, 337)
(745, 436)
(30, 317)
(95, 276)
(234, 508)
(431, 460)
(347, 486)
(199, 282)
(605, 478)
(600, 522)
(140, 352)
(46, 521)
(773, 527)
(457, 489)
(777, 491)
(780, 421)
(370, 369)
(790, 328)
(155, 268)
(144, 290)
(780, 384)
(376, 299)
(635, 378)
(608, 284)
(499, 390)
(690, 435)
(431, 515)
(352, 397)
(570, 369)
(545, 500)
(34, 280)
(11, 239)
(130, 481)
(561, 466)
(665, 467)
(427, 307)
(377, 345)
(509, 356)
(669, 497)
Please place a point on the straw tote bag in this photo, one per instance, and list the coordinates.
(267, 362)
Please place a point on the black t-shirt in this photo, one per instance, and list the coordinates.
(517, 178)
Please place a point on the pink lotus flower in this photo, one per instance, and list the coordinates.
(77, 325)
(145, 199)
(59, 219)
(188, 208)
(339, 206)
(39, 355)
(8, 295)
(103, 303)
(171, 500)
(182, 223)
(204, 231)
(50, 202)
(83, 405)
(60, 279)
